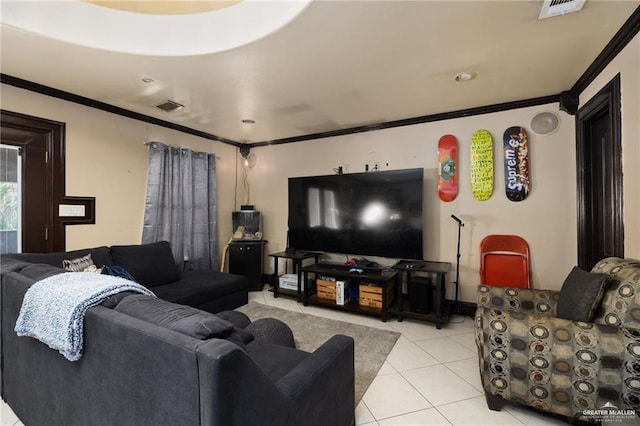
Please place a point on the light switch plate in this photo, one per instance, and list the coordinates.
(71, 210)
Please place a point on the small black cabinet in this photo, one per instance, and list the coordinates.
(426, 295)
(245, 258)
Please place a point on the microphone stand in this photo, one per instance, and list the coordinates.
(457, 281)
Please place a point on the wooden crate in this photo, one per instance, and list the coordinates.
(371, 295)
(326, 289)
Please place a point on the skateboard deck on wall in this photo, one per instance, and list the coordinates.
(448, 168)
(482, 165)
(516, 163)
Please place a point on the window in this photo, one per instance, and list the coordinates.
(10, 199)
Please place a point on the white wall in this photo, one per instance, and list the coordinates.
(546, 219)
(106, 158)
(627, 63)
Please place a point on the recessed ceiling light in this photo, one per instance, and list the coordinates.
(148, 80)
(465, 76)
(248, 121)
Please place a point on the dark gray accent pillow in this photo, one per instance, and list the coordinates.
(150, 264)
(580, 295)
(183, 319)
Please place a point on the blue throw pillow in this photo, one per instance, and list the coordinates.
(117, 271)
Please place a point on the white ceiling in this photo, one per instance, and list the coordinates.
(338, 65)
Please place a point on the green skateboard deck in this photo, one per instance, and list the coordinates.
(447, 168)
(516, 163)
(482, 165)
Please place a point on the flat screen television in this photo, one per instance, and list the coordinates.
(368, 214)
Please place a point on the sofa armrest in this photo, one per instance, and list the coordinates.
(524, 300)
(318, 391)
(336, 354)
(557, 365)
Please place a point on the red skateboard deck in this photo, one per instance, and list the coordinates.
(516, 163)
(448, 168)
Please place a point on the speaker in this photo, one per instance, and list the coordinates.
(421, 295)
(545, 123)
(569, 102)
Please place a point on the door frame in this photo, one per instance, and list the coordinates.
(608, 99)
(55, 190)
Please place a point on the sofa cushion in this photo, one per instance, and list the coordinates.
(11, 264)
(199, 287)
(40, 271)
(580, 295)
(620, 305)
(100, 255)
(113, 300)
(274, 360)
(183, 319)
(272, 330)
(150, 264)
(237, 318)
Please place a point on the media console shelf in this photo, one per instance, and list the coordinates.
(381, 285)
(298, 257)
(440, 313)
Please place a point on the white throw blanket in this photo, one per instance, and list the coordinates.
(53, 309)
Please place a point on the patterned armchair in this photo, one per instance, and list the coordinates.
(530, 356)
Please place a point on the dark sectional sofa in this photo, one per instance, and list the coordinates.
(150, 362)
(153, 266)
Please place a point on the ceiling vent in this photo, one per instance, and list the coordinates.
(552, 8)
(169, 106)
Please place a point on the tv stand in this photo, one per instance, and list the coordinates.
(441, 312)
(386, 280)
(363, 269)
(298, 257)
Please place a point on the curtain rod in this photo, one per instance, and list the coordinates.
(147, 143)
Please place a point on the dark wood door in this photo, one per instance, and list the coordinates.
(599, 166)
(37, 217)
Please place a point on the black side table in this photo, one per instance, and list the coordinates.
(245, 258)
(298, 258)
(440, 270)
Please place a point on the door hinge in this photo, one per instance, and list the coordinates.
(46, 156)
(46, 233)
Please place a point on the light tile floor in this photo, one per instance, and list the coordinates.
(429, 378)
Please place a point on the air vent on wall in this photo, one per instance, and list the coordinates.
(169, 106)
(552, 8)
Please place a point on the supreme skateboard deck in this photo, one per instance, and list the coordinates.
(516, 163)
(482, 165)
(447, 168)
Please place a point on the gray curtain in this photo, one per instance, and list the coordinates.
(181, 205)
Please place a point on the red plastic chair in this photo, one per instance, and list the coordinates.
(504, 261)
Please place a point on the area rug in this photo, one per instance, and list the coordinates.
(372, 345)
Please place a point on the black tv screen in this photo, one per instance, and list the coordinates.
(368, 214)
